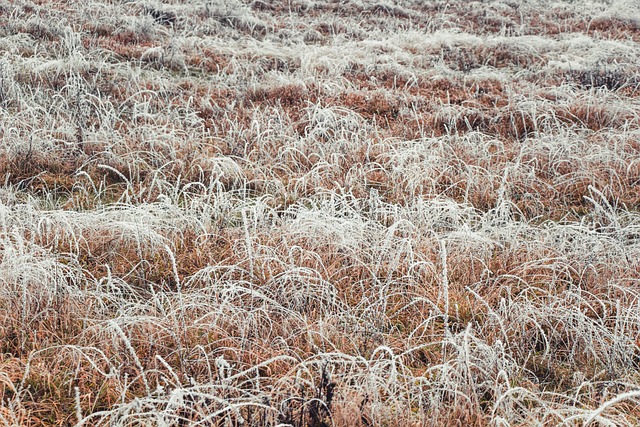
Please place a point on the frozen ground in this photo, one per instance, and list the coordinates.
(319, 213)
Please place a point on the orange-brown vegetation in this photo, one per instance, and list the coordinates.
(316, 213)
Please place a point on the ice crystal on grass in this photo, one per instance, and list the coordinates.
(315, 213)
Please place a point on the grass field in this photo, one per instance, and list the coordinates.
(320, 213)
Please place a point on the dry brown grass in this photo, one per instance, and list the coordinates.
(312, 214)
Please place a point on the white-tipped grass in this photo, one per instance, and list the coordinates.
(247, 213)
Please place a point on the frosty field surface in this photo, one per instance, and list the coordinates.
(319, 213)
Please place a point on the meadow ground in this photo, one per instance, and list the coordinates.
(319, 213)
